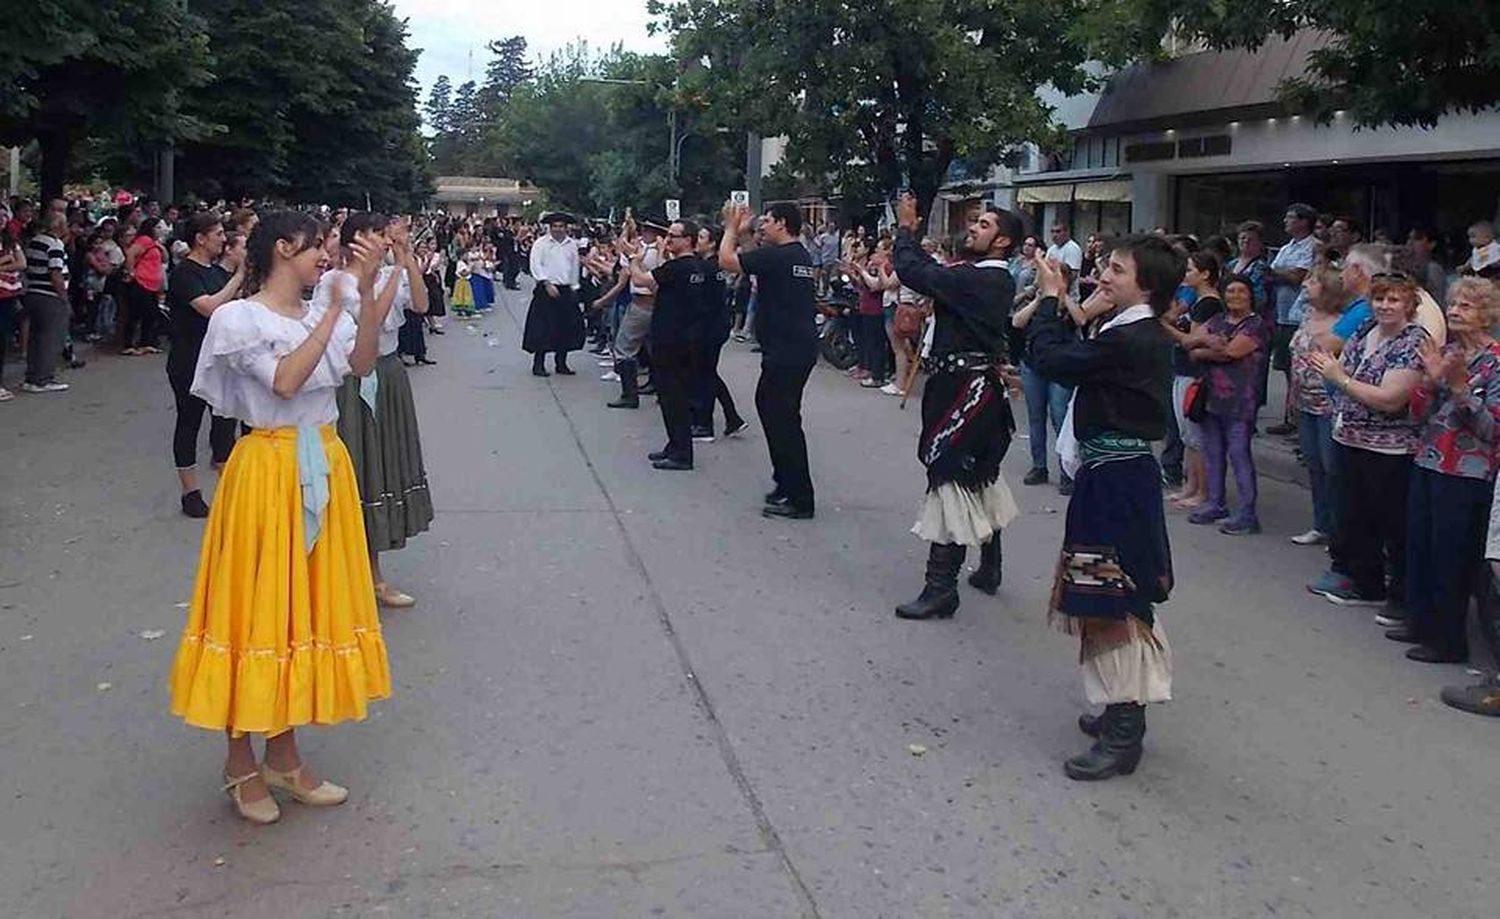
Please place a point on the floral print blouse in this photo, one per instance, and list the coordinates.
(1461, 430)
(1363, 427)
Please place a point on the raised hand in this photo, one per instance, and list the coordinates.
(365, 264)
(1049, 276)
(906, 212)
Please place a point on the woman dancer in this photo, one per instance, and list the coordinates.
(282, 630)
(482, 277)
(377, 417)
(1116, 563)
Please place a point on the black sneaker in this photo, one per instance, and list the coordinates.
(703, 435)
(1065, 486)
(736, 428)
(672, 463)
(1037, 476)
(787, 511)
(193, 504)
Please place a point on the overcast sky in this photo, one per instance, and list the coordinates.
(447, 30)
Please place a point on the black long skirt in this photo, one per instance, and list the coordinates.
(553, 324)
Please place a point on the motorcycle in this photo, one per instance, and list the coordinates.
(836, 324)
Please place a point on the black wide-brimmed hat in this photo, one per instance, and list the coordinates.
(651, 223)
(559, 217)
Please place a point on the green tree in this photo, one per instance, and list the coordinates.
(80, 68)
(362, 142)
(506, 70)
(327, 127)
(874, 97)
(1402, 62)
(439, 107)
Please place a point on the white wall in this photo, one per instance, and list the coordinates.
(1297, 141)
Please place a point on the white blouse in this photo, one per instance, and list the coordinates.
(236, 369)
(340, 287)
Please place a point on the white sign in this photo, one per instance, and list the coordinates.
(740, 198)
(674, 209)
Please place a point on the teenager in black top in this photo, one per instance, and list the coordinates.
(198, 285)
(788, 338)
(1116, 563)
(718, 312)
(676, 323)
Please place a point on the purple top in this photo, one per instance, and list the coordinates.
(1234, 386)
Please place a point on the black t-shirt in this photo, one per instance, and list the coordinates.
(678, 316)
(784, 303)
(718, 310)
(189, 281)
(1202, 310)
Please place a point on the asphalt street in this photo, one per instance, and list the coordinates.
(624, 693)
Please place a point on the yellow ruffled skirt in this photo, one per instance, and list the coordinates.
(278, 637)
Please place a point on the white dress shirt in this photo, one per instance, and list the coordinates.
(555, 261)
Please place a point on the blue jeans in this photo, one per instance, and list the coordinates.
(1315, 437)
(1043, 399)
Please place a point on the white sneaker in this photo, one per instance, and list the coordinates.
(44, 387)
(890, 389)
(611, 377)
(1311, 538)
(6, 395)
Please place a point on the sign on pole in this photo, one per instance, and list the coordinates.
(674, 209)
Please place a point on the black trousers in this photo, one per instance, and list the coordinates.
(1447, 517)
(674, 378)
(190, 411)
(1372, 527)
(873, 345)
(778, 400)
(709, 387)
(141, 318)
(509, 265)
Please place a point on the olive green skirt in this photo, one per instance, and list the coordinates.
(386, 449)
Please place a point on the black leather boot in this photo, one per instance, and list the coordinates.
(988, 575)
(1118, 749)
(939, 598)
(1092, 725)
(625, 367)
(539, 365)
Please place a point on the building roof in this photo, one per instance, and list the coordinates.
(1209, 86)
(473, 188)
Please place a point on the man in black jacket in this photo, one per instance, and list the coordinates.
(966, 417)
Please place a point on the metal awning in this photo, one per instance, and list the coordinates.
(1067, 192)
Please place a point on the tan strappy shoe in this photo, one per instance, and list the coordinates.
(259, 812)
(388, 596)
(325, 795)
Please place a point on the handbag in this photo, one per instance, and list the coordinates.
(908, 320)
(1195, 401)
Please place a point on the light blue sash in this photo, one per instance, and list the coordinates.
(312, 474)
(368, 387)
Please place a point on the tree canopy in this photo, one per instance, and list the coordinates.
(591, 128)
(308, 101)
(79, 68)
(878, 97)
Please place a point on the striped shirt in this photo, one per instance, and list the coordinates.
(43, 254)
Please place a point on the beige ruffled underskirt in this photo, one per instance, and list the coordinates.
(950, 514)
(1136, 670)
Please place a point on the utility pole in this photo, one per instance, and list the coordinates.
(752, 169)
